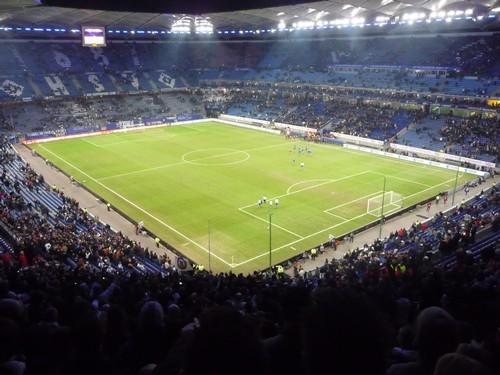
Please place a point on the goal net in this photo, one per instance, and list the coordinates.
(390, 200)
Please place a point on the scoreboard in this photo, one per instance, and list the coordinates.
(93, 36)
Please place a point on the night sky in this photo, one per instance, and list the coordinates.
(170, 6)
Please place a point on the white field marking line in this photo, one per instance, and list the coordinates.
(196, 161)
(192, 127)
(340, 217)
(303, 181)
(189, 162)
(429, 188)
(329, 228)
(349, 151)
(311, 187)
(354, 200)
(386, 212)
(296, 241)
(273, 224)
(148, 139)
(89, 142)
(137, 207)
(402, 179)
(343, 149)
(419, 192)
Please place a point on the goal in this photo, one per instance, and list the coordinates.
(390, 200)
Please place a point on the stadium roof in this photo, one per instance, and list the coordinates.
(23, 12)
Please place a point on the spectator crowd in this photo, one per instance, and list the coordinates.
(473, 136)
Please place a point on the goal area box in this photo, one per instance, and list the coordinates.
(385, 203)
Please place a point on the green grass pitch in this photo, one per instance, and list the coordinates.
(180, 180)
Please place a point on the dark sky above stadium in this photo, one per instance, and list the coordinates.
(173, 6)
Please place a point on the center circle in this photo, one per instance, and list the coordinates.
(215, 156)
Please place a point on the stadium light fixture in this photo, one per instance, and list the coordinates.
(380, 19)
(202, 25)
(182, 26)
(321, 14)
(411, 17)
(355, 11)
(281, 25)
(301, 25)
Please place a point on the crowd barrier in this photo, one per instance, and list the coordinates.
(441, 155)
(263, 124)
(416, 160)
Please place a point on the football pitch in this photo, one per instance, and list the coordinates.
(197, 186)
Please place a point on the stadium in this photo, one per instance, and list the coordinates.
(293, 187)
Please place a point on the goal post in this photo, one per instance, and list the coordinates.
(390, 200)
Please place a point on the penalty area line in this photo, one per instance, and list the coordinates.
(297, 241)
(338, 216)
(325, 182)
(332, 227)
(348, 203)
(267, 222)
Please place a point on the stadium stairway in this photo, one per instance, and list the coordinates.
(5, 246)
(36, 89)
(150, 81)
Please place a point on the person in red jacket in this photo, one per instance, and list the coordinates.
(7, 257)
(23, 261)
